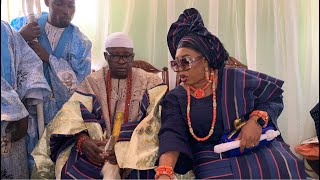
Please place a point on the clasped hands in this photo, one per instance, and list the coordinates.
(94, 151)
(30, 32)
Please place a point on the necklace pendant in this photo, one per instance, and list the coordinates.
(199, 93)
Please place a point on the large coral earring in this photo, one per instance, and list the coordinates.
(206, 72)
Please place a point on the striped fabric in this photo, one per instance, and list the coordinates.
(273, 161)
(125, 135)
(127, 130)
(77, 165)
(236, 152)
(141, 174)
(59, 142)
(243, 91)
(190, 27)
(254, 91)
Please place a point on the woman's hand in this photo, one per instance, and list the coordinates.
(250, 134)
(164, 177)
(91, 149)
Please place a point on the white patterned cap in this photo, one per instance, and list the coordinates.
(119, 39)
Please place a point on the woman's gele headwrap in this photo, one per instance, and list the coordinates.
(190, 27)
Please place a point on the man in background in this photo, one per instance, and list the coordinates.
(65, 52)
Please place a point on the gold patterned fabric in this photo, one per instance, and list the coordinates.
(141, 152)
(69, 120)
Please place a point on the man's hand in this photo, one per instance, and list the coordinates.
(40, 51)
(111, 157)
(93, 151)
(250, 134)
(17, 129)
(30, 31)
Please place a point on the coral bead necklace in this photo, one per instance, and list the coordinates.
(214, 105)
(199, 93)
(128, 95)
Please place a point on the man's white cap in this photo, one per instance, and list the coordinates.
(119, 39)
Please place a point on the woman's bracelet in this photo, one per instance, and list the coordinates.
(164, 170)
(261, 114)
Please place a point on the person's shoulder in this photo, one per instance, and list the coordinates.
(8, 28)
(79, 34)
(143, 73)
(139, 70)
(98, 75)
(229, 73)
(177, 93)
(238, 72)
(6, 24)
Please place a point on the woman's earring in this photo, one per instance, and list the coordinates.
(211, 76)
(206, 73)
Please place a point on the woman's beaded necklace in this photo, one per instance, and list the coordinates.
(214, 105)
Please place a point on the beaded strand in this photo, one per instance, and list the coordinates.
(214, 115)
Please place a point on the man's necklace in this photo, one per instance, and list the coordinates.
(128, 96)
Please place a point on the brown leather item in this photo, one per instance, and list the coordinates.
(17, 129)
(150, 68)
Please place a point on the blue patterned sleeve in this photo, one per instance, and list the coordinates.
(77, 63)
(28, 68)
(12, 109)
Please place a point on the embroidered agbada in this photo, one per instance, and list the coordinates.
(69, 63)
(21, 79)
(69, 60)
(87, 110)
(239, 90)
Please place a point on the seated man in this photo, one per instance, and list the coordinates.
(73, 144)
(65, 52)
(22, 82)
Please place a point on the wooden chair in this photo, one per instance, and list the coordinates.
(231, 62)
(149, 68)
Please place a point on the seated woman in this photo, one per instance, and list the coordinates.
(197, 113)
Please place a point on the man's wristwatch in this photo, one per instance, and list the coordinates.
(261, 122)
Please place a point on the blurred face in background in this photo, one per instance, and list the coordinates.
(61, 12)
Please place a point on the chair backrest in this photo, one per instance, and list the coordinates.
(149, 68)
(231, 62)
